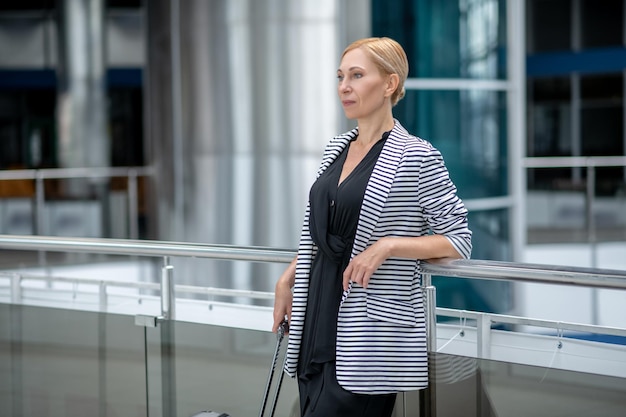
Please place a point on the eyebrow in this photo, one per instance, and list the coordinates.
(356, 67)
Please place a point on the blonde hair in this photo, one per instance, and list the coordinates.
(388, 56)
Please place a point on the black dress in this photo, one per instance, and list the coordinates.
(333, 222)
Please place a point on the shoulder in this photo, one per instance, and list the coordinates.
(411, 145)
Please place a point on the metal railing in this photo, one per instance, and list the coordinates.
(590, 164)
(39, 176)
(469, 269)
(167, 288)
(522, 273)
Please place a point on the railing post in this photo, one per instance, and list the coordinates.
(589, 209)
(168, 345)
(102, 296)
(431, 312)
(591, 234)
(168, 301)
(40, 197)
(428, 401)
(483, 329)
(133, 204)
(16, 289)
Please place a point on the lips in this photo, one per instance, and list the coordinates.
(347, 103)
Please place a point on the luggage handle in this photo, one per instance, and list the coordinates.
(283, 328)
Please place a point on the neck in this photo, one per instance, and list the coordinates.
(371, 130)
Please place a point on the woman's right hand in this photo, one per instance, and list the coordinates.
(283, 296)
(282, 305)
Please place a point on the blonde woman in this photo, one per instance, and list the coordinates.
(382, 201)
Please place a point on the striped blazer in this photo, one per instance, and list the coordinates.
(381, 330)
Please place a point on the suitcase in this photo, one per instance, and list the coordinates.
(280, 334)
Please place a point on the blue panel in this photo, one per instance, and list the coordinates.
(29, 79)
(125, 77)
(594, 61)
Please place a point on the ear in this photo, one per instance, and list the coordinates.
(393, 80)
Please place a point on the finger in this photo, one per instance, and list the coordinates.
(279, 316)
(365, 281)
(275, 325)
(346, 277)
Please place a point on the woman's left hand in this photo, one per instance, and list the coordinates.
(362, 267)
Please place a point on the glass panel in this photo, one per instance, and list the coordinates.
(602, 23)
(550, 25)
(214, 368)
(491, 229)
(451, 39)
(62, 363)
(490, 234)
(490, 388)
(557, 206)
(469, 128)
(550, 117)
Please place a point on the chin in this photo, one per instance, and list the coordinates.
(350, 115)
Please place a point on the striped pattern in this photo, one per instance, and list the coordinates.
(381, 334)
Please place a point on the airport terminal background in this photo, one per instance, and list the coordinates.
(223, 107)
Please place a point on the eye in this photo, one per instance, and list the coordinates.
(339, 77)
(357, 75)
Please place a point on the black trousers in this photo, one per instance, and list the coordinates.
(322, 396)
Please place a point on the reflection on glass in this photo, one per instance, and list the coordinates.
(550, 117)
(557, 206)
(602, 23)
(549, 24)
(601, 123)
(491, 228)
(489, 388)
(469, 128)
(447, 39)
(490, 234)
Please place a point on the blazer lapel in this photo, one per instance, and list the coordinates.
(378, 187)
(337, 146)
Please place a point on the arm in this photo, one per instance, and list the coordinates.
(362, 266)
(444, 213)
(283, 296)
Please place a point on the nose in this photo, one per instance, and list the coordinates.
(344, 86)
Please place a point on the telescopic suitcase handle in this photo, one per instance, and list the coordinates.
(283, 328)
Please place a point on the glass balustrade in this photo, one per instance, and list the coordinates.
(86, 339)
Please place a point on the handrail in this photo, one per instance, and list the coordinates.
(573, 161)
(145, 248)
(526, 272)
(474, 269)
(72, 173)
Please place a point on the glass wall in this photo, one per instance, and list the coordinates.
(446, 39)
(457, 98)
(575, 96)
(68, 363)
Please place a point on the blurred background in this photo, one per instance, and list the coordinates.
(204, 120)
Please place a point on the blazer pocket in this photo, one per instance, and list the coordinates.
(389, 310)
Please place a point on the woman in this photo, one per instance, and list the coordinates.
(382, 201)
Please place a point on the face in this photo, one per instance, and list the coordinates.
(362, 89)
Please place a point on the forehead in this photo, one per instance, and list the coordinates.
(356, 58)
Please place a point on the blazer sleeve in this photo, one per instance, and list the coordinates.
(443, 210)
